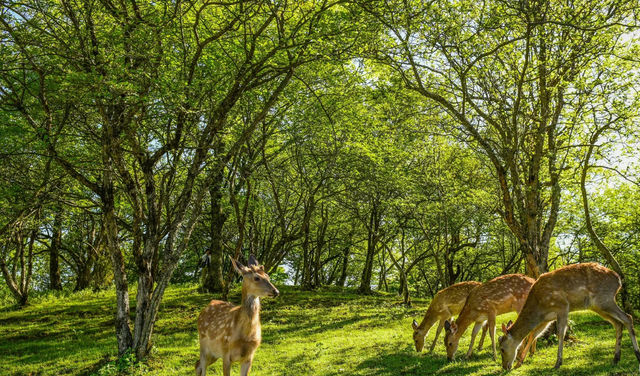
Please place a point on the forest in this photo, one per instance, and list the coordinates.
(361, 155)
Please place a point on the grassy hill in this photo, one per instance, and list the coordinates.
(328, 332)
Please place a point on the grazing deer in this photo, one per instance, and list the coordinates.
(233, 332)
(500, 295)
(447, 303)
(554, 295)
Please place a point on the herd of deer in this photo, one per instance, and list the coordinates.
(538, 303)
(233, 333)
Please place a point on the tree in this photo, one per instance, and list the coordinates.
(148, 97)
(507, 79)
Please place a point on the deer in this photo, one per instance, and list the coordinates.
(231, 332)
(446, 303)
(500, 295)
(587, 286)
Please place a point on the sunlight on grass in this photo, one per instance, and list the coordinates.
(328, 332)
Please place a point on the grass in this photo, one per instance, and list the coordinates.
(327, 332)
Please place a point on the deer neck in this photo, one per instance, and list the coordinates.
(463, 321)
(427, 321)
(527, 320)
(250, 307)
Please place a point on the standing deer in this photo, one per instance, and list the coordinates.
(500, 295)
(554, 295)
(233, 332)
(447, 303)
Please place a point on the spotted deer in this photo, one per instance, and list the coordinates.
(555, 294)
(447, 303)
(233, 332)
(500, 295)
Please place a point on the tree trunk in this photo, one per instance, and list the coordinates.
(404, 288)
(536, 261)
(382, 276)
(328, 280)
(212, 278)
(365, 279)
(345, 264)
(241, 218)
(152, 293)
(123, 332)
(146, 280)
(307, 253)
(320, 242)
(14, 287)
(83, 277)
(19, 286)
(55, 283)
(306, 256)
(372, 241)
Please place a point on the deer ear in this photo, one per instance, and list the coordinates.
(237, 266)
(447, 325)
(414, 325)
(454, 327)
(509, 324)
(253, 261)
(504, 328)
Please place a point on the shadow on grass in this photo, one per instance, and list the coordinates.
(77, 336)
(96, 367)
(308, 328)
(602, 360)
(408, 362)
(587, 357)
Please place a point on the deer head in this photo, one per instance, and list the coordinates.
(450, 328)
(418, 336)
(508, 346)
(255, 282)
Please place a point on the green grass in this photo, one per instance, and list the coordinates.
(327, 332)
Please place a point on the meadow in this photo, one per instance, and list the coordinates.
(325, 332)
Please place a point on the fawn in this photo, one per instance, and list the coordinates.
(233, 332)
(500, 295)
(445, 304)
(554, 295)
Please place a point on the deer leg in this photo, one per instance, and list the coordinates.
(534, 343)
(491, 322)
(203, 363)
(530, 342)
(226, 366)
(617, 313)
(245, 367)
(484, 334)
(198, 369)
(618, 326)
(522, 351)
(561, 323)
(616, 354)
(433, 344)
(475, 331)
